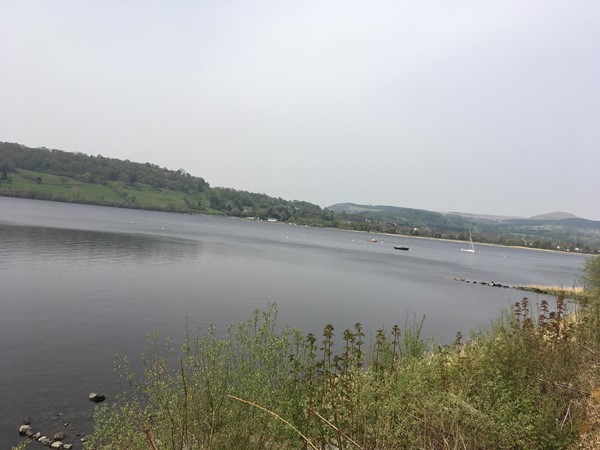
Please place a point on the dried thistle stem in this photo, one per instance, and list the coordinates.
(277, 416)
(337, 430)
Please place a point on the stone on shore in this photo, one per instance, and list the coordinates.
(96, 398)
(23, 429)
(44, 440)
(56, 444)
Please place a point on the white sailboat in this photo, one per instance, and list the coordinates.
(471, 248)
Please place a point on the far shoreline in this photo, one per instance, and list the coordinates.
(434, 239)
(209, 214)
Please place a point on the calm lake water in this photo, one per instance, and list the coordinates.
(79, 284)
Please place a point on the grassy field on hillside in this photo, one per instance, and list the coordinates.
(43, 186)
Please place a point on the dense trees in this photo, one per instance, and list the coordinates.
(261, 206)
(4, 169)
(95, 169)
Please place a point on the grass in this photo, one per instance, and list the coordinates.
(523, 383)
(557, 289)
(52, 185)
(577, 293)
(30, 184)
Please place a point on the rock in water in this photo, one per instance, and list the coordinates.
(59, 436)
(23, 429)
(44, 440)
(96, 398)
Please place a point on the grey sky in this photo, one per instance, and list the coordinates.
(475, 106)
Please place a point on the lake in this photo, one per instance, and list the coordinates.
(80, 283)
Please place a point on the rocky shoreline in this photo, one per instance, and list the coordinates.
(535, 289)
(58, 439)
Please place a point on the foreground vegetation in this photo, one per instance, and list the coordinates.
(527, 382)
(43, 174)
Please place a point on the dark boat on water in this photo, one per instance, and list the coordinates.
(401, 247)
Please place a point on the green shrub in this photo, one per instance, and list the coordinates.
(591, 274)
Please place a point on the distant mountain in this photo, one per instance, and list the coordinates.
(353, 208)
(491, 217)
(557, 215)
(570, 222)
(404, 218)
(558, 230)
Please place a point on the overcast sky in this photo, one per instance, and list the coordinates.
(488, 107)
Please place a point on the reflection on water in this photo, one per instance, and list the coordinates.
(31, 245)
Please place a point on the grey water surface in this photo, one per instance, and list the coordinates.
(80, 283)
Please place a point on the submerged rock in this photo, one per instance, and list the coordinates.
(59, 436)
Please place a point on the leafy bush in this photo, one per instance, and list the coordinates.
(591, 274)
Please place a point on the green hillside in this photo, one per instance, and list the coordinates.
(45, 186)
(44, 174)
